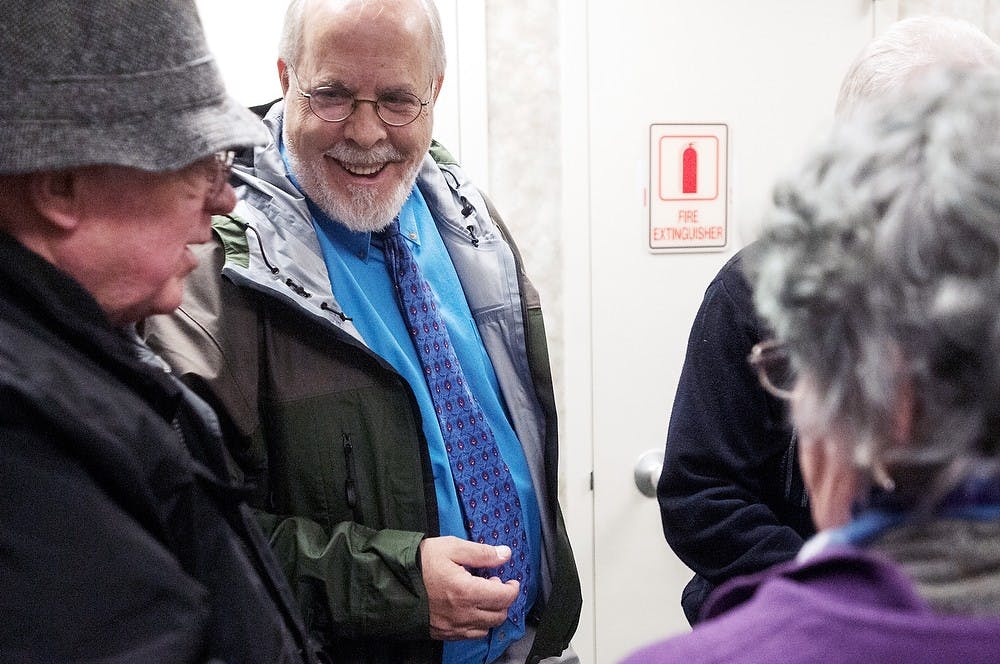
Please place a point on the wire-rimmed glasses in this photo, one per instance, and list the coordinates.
(215, 168)
(223, 166)
(333, 103)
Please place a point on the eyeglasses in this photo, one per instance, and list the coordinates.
(774, 368)
(335, 104)
(217, 168)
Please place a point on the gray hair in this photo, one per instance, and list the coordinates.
(290, 46)
(880, 269)
(908, 47)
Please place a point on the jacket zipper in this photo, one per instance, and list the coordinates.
(350, 484)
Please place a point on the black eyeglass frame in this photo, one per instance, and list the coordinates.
(377, 103)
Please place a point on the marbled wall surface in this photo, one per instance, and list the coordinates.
(984, 13)
(524, 143)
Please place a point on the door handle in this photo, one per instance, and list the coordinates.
(647, 472)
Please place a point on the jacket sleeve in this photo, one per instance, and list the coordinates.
(354, 583)
(730, 494)
(351, 581)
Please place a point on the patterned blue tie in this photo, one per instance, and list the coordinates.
(486, 490)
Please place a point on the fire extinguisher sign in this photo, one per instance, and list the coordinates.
(688, 187)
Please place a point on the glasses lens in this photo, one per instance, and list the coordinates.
(775, 368)
(399, 108)
(331, 104)
(219, 166)
(225, 159)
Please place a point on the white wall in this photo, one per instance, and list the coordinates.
(243, 35)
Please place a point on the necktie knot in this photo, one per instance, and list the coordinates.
(392, 229)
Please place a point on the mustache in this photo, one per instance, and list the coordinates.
(354, 155)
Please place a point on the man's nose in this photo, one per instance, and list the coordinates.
(221, 201)
(364, 126)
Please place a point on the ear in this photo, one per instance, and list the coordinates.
(283, 76)
(55, 195)
(437, 87)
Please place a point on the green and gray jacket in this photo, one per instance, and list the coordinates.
(326, 430)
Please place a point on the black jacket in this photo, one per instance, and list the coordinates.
(118, 539)
(731, 494)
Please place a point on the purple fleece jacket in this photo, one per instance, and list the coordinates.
(845, 605)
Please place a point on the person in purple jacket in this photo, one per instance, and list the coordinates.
(879, 274)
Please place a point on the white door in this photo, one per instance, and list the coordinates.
(770, 70)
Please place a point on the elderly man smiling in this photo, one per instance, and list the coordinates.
(366, 327)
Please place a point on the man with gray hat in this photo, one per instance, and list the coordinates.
(121, 537)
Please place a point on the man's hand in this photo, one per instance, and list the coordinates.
(464, 606)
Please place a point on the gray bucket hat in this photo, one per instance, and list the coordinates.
(127, 82)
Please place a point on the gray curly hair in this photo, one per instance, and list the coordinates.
(880, 268)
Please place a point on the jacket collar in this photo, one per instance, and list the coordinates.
(280, 254)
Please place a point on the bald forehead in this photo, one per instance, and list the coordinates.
(407, 17)
(386, 44)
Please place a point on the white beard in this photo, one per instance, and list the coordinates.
(362, 212)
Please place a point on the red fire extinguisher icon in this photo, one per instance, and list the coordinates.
(689, 170)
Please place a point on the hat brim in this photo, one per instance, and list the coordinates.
(153, 142)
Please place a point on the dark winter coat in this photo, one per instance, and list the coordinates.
(119, 539)
(731, 495)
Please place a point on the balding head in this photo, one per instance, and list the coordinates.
(300, 12)
(908, 48)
